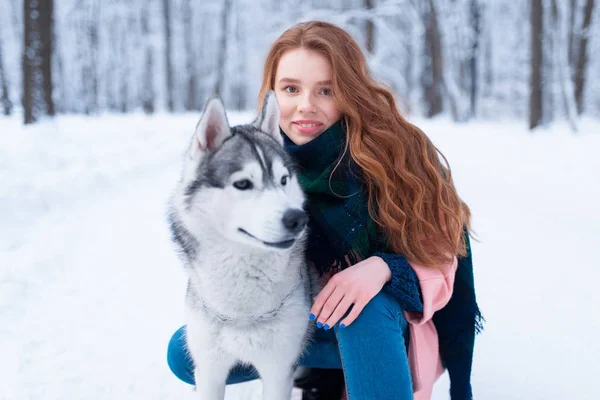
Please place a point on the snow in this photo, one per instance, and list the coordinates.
(91, 288)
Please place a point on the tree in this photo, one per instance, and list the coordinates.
(581, 62)
(240, 84)
(168, 54)
(4, 92)
(475, 11)
(461, 57)
(560, 58)
(572, 15)
(189, 38)
(123, 46)
(89, 76)
(432, 75)
(148, 94)
(536, 93)
(37, 60)
(369, 28)
(455, 27)
(222, 64)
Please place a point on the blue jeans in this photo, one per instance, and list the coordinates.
(371, 351)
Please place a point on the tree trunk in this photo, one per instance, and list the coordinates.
(59, 89)
(47, 25)
(124, 65)
(30, 68)
(168, 54)
(191, 100)
(561, 61)
(4, 91)
(535, 98)
(474, 58)
(87, 30)
(93, 33)
(581, 65)
(432, 77)
(369, 28)
(222, 61)
(549, 77)
(111, 76)
(37, 60)
(148, 78)
(572, 13)
(409, 68)
(488, 70)
(241, 85)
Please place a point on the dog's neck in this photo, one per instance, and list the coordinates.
(245, 319)
(236, 281)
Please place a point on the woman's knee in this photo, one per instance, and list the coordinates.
(178, 357)
(383, 307)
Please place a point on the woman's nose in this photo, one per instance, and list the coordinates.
(307, 105)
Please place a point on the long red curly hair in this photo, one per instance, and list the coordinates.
(411, 193)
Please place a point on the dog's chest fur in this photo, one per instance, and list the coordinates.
(241, 284)
(247, 340)
(237, 280)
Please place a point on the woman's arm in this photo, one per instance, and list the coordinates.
(357, 285)
(404, 284)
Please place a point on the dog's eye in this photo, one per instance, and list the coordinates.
(243, 184)
(284, 180)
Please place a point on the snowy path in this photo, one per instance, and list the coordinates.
(99, 328)
(91, 290)
(94, 294)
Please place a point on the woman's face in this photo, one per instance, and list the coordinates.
(304, 92)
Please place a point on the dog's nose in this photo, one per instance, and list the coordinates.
(294, 220)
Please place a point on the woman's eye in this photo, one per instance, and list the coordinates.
(284, 180)
(242, 184)
(326, 91)
(290, 89)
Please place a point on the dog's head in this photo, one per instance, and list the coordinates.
(240, 182)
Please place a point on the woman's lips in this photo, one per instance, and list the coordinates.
(308, 126)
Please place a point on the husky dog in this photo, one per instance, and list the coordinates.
(237, 217)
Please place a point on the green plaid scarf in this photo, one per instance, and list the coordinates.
(343, 233)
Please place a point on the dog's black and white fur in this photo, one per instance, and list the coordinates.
(237, 218)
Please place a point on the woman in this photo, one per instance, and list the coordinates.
(386, 227)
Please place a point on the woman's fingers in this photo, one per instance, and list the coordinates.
(321, 299)
(329, 307)
(340, 310)
(359, 304)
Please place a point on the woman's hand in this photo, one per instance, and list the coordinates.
(356, 285)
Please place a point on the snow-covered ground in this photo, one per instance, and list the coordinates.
(91, 289)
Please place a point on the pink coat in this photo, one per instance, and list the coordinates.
(423, 351)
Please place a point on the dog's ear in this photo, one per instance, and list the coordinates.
(211, 130)
(268, 119)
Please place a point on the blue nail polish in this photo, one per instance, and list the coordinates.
(319, 325)
(342, 326)
(312, 316)
(326, 327)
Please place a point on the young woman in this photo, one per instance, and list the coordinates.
(388, 231)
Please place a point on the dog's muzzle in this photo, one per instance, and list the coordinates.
(294, 221)
(285, 244)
